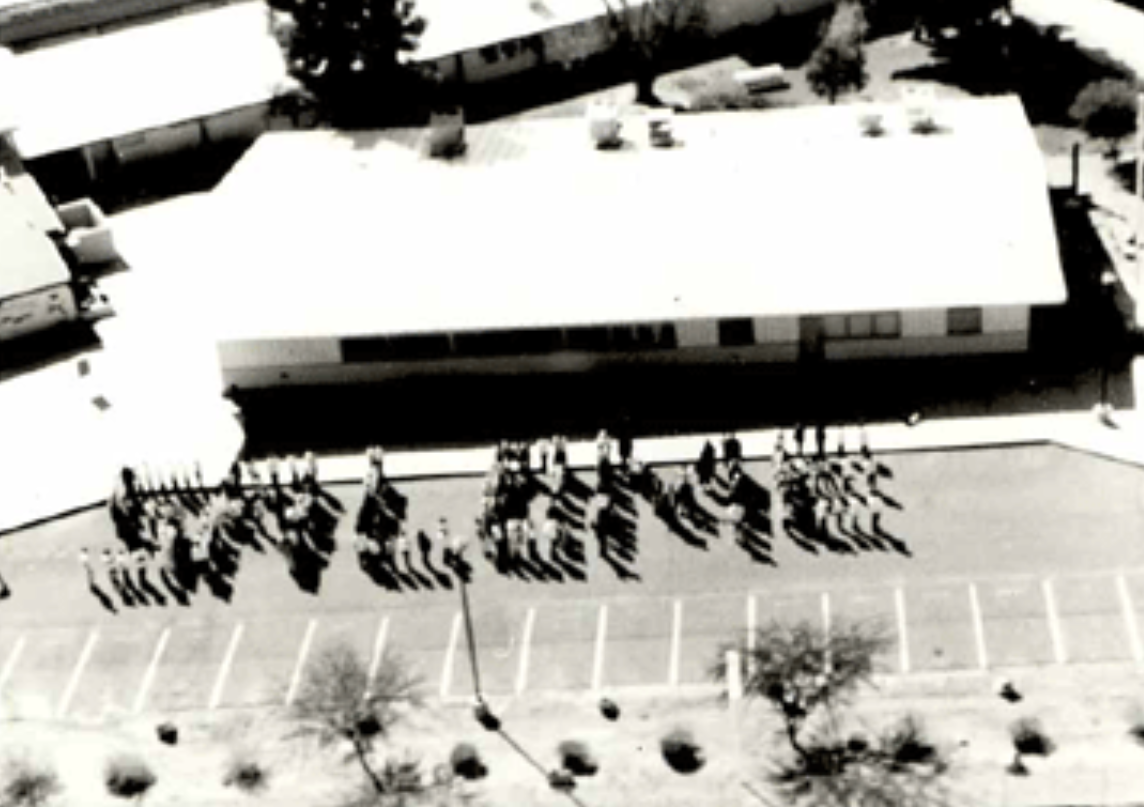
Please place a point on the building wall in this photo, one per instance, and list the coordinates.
(772, 340)
(33, 22)
(36, 311)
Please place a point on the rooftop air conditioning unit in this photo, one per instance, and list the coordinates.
(660, 128)
(447, 133)
(920, 105)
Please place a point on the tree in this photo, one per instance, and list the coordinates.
(807, 676)
(644, 31)
(838, 64)
(339, 701)
(1106, 110)
(347, 54)
(962, 17)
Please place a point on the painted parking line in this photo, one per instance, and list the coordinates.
(978, 627)
(224, 668)
(601, 641)
(903, 632)
(1126, 606)
(300, 665)
(11, 662)
(152, 669)
(752, 623)
(676, 641)
(525, 650)
(450, 656)
(826, 613)
(1059, 652)
(77, 674)
(378, 653)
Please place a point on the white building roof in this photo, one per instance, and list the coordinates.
(29, 260)
(459, 26)
(756, 214)
(130, 80)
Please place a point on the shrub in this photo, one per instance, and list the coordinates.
(245, 773)
(27, 783)
(1030, 739)
(1106, 109)
(907, 744)
(681, 752)
(577, 759)
(466, 762)
(128, 776)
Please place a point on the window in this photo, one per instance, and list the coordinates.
(737, 332)
(963, 321)
(588, 338)
(864, 325)
(888, 324)
(490, 54)
(396, 348)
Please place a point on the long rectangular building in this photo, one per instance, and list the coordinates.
(766, 237)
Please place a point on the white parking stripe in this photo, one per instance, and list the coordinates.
(450, 655)
(77, 674)
(378, 652)
(10, 663)
(525, 650)
(676, 642)
(601, 638)
(978, 627)
(152, 669)
(1126, 606)
(224, 668)
(1058, 638)
(903, 635)
(300, 665)
(826, 613)
(752, 623)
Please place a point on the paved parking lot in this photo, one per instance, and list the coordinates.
(161, 667)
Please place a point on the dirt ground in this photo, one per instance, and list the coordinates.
(1086, 710)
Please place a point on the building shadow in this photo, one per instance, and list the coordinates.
(43, 349)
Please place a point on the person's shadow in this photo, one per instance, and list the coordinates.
(105, 600)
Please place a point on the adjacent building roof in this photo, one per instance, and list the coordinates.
(29, 260)
(131, 80)
(459, 26)
(753, 214)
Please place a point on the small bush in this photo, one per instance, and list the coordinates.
(906, 744)
(128, 776)
(577, 759)
(27, 783)
(1030, 739)
(681, 752)
(561, 780)
(466, 762)
(245, 774)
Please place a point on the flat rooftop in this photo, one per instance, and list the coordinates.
(105, 86)
(753, 214)
(29, 260)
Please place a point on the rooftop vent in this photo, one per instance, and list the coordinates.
(604, 125)
(660, 128)
(920, 106)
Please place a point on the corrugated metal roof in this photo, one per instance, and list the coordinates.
(755, 214)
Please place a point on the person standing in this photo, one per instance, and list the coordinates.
(705, 466)
(732, 452)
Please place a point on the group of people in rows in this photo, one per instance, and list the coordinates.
(177, 531)
(822, 489)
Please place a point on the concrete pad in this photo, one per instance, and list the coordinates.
(115, 672)
(563, 645)
(940, 625)
(46, 664)
(186, 675)
(1092, 619)
(265, 660)
(639, 642)
(1016, 621)
(708, 623)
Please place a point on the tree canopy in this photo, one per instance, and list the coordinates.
(838, 64)
(1106, 109)
(347, 54)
